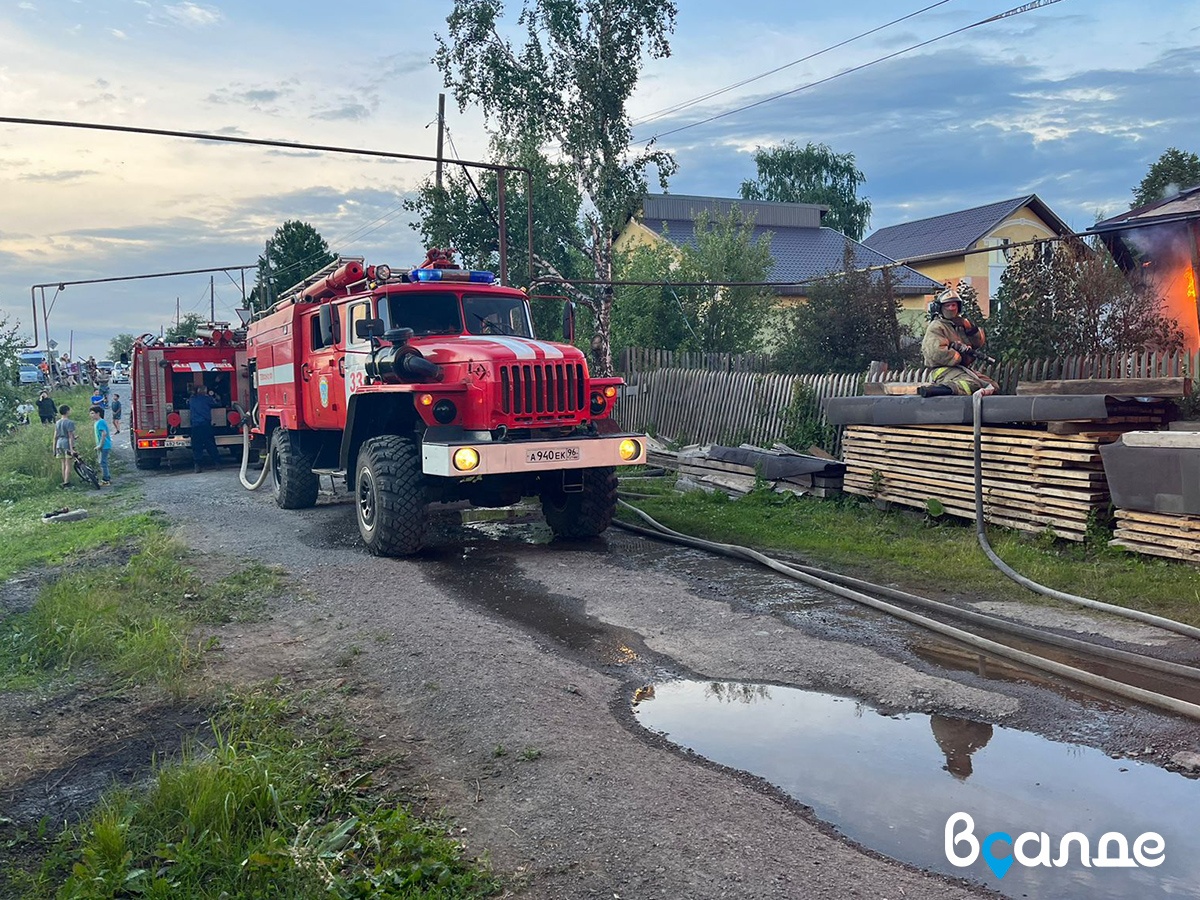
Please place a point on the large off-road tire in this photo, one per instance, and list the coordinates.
(144, 459)
(581, 514)
(390, 496)
(291, 472)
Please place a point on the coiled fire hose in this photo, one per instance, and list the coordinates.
(981, 533)
(247, 421)
(1079, 676)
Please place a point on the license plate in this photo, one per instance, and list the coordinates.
(175, 442)
(551, 455)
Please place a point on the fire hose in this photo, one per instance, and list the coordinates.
(247, 421)
(981, 533)
(808, 576)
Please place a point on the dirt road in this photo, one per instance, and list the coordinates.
(503, 667)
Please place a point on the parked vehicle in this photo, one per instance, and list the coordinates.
(31, 374)
(163, 373)
(428, 385)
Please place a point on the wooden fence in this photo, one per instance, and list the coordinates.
(718, 399)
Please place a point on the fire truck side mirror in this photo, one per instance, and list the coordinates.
(568, 322)
(328, 332)
(368, 328)
(124, 358)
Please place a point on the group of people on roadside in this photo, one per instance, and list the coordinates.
(64, 442)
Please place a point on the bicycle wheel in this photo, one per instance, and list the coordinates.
(87, 473)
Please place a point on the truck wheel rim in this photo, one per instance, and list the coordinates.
(366, 499)
(276, 479)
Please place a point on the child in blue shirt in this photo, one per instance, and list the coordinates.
(103, 441)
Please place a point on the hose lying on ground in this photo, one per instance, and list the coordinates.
(1117, 688)
(980, 532)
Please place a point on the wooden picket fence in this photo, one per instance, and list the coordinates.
(731, 398)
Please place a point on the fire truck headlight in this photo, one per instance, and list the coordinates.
(466, 459)
(598, 403)
(444, 411)
(610, 392)
(629, 449)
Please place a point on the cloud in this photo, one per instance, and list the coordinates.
(59, 177)
(118, 34)
(256, 98)
(348, 111)
(1078, 140)
(192, 15)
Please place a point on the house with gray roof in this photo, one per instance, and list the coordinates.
(943, 247)
(802, 249)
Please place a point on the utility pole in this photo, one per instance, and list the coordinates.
(176, 313)
(441, 130)
(266, 280)
(212, 300)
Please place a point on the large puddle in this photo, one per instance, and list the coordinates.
(891, 782)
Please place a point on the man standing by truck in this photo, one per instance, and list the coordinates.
(200, 406)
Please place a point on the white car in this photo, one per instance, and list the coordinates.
(120, 375)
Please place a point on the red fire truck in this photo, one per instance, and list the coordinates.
(161, 377)
(428, 385)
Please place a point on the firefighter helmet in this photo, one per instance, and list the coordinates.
(947, 296)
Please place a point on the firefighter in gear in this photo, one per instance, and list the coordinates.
(949, 348)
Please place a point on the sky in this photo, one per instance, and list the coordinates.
(1072, 101)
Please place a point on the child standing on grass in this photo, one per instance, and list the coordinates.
(103, 442)
(64, 442)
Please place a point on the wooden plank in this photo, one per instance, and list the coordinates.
(1114, 388)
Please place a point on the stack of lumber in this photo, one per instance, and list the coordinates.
(738, 470)
(1032, 480)
(1158, 534)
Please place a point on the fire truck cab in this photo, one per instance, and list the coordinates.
(429, 385)
(162, 377)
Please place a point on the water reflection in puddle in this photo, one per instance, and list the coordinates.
(890, 782)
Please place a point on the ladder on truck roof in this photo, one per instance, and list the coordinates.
(292, 295)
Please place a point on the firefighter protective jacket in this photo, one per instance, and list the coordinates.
(948, 365)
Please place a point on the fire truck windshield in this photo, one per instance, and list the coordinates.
(497, 315)
(425, 312)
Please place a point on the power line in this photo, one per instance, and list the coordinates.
(654, 116)
(1015, 11)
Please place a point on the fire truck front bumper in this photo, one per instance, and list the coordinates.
(464, 460)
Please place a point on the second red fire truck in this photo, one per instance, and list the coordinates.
(162, 376)
(429, 385)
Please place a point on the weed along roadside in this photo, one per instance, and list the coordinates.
(128, 769)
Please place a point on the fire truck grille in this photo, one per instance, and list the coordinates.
(555, 389)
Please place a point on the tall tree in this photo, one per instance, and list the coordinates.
(11, 346)
(463, 214)
(712, 319)
(847, 321)
(121, 343)
(296, 250)
(1073, 299)
(567, 86)
(813, 173)
(185, 329)
(1169, 174)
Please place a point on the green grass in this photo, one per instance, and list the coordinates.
(923, 554)
(26, 542)
(276, 804)
(130, 621)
